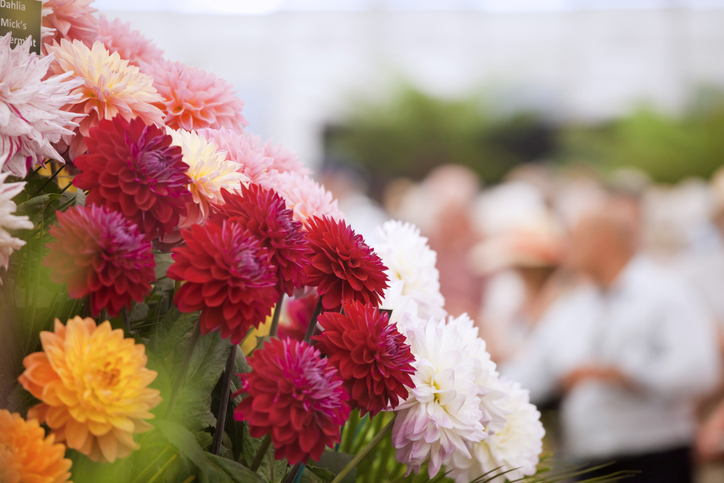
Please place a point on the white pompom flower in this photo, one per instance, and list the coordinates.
(10, 221)
(409, 259)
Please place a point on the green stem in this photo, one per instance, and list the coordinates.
(126, 319)
(181, 376)
(364, 451)
(275, 319)
(49, 180)
(224, 403)
(260, 453)
(295, 472)
(313, 321)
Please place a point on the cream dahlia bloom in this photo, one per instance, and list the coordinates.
(9, 221)
(93, 384)
(442, 414)
(210, 172)
(30, 108)
(514, 449)
(110, 87)
(305, 197)
(410, 260)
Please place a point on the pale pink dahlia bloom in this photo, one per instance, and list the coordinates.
(284, 160)
(210, 172)
(110, 87)
(305, 197)
(70, 20)
(195, 99)
(30, 108)
(9, 221)
(244, 149)
(130, 44)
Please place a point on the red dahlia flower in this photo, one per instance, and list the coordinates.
(298, 313)
(370, 354)
(294, 395)
(228, 277)
(343, 266)
(133, 168)
(99, 253)
(263, 213)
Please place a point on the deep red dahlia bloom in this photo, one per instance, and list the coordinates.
(228, 277)
(133, 168)
(294, 395)
(99, 253)
(264, 214)
(299, 312)
(343, 266)
(370, 354)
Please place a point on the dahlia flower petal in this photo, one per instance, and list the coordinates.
(130, 44)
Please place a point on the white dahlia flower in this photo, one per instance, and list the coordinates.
(31, 118)
(409, 259)
(9, 221)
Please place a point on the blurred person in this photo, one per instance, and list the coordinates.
(628, 352)
(521, 265)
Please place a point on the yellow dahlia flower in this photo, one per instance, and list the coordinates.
(93, 386)
(27, 455)
(209, 171)
(110, 87)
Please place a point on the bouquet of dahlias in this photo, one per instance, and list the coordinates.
(182, 302)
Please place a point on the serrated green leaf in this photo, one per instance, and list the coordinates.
(323, 474)
(228, 470)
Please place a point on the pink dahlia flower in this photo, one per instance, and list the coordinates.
(31, 118)
(294, 395)
(99, 253)
(284, 160)
(110, 87)
(306, 198)
(195, 99)
(244, 149)
(130, 44)
(71, 20)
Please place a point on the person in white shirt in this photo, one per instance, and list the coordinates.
(629, 353)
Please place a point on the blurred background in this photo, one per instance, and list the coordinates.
(495, 126)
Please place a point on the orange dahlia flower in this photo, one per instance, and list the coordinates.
(27, 455)
(93, 386)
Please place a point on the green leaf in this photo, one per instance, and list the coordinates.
(227, 470)
(333, 462)
(323, 474)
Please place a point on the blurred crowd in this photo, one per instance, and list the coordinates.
(603, 296)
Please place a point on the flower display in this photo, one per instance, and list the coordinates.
(195, 99)
(294, 395)
(409, 259)
(244, 149)
(130, 44)
(305, 197)
(263, 214)
(98, 253)
(133, 168)
(442, 414)
(27, 455)
(10, 221)
(71, 20)
(295, 318)
(513, 450)
(284, 160)
(209, 171)
(93, 384)
(31, 118)
(228, 277)
(110, 87)
(370, 354)
(342, 266)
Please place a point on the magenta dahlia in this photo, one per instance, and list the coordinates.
(130, 44)
(294, 395)
(132, 167)
(99, 253)
(228, 278)
(263, 214)
(343, 266)
(193, 98)
(296, 316)
(370, 354)
(244, 148)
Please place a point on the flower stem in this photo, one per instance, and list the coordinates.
(181, 376)
(48, 182)
(224, 403)
(126, 319)
(260, 453)
(295, 473)
(275, 319)
(364, 451)
(313, 321)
